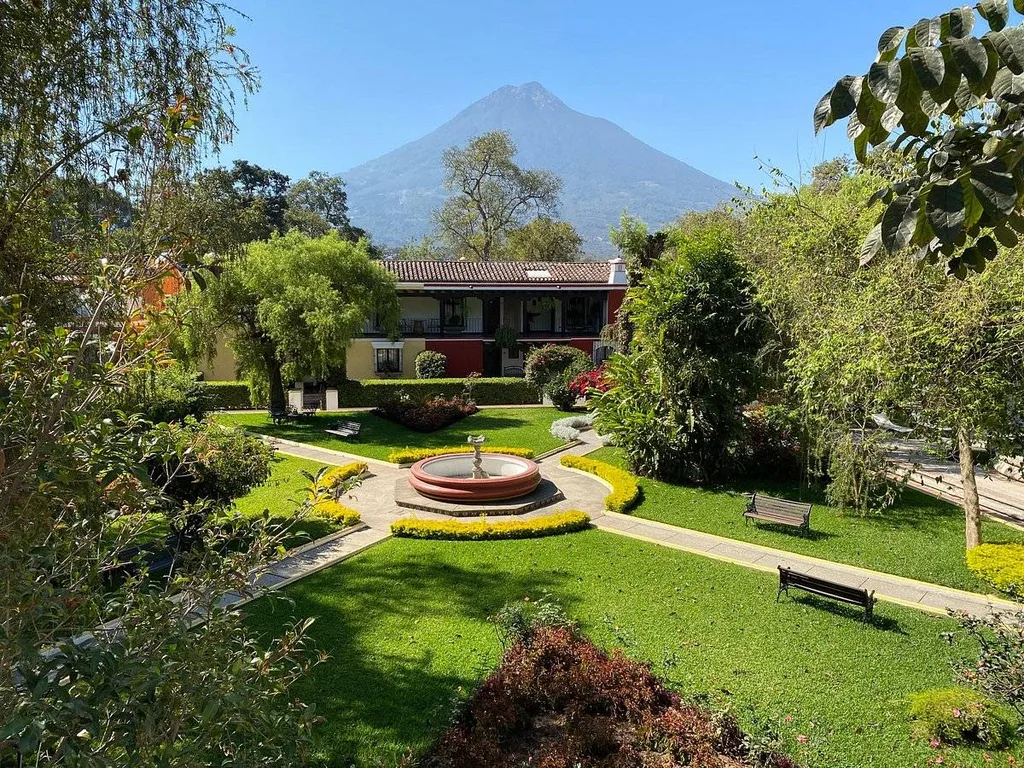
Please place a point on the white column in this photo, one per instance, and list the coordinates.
(295, 399)
(332, 399)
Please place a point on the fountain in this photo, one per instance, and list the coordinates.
(476, 477)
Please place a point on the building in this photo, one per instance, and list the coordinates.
(458, 307)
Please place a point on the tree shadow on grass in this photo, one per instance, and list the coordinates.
(884, 623)
(403, 637)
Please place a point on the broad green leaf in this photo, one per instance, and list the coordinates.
(823, 113)
(987, 247)
(973, 209)
(973, 260)
(971, 58)
(891, 118)
(884, 81)
(957, 23)
(870, 111)
(994, 185)
(872, 245)
(1006, 236)
(945, 208)
(854, 128)
(929, 67)
(930, 106)
(899, 222)
(843, 100)
(995, 12)
(860, 147)
(889, 43)
(1009, 44)
(951, 79)
(927, 33)
(956, 268)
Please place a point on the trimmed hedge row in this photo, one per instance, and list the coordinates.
(484, 530)
(335, 477)
(497, 391)
(1001, 565)
(229, 395)
(335, 512)
(625, 489)
(411, 455)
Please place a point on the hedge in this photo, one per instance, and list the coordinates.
(229, 395)
(498, 391)
(335, 512)
(410, 455)
(484, 530)
(335, 477)
(625, 490)
(1002, 565)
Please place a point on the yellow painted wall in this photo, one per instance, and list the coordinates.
(222, 366)
(361, 358)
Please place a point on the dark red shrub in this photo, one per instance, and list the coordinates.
(429, 416)
(558, 701)
(586, 383)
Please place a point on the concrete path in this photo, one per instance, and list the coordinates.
(893, 589)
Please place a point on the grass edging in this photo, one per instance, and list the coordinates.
(484, 530)
(625, 488)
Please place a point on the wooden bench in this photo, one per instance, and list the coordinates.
(825, 588)
(345, 429)
(280, 417)
(779, 511)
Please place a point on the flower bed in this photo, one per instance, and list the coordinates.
(625, 489)
(411, 455)
(429, 416)
(335, 512)
(331, 479)
(559, 700)
(1002, 565)
(484, 530)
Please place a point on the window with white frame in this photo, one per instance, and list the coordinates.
(388, 360)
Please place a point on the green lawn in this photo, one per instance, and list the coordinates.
(919, 538)
(405, 628)
(522, 427)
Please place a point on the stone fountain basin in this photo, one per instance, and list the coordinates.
(450, 478)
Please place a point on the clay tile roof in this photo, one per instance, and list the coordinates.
(483, 272)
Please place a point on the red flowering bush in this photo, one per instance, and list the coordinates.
(586, 383)
(428, 416)
(559, 701)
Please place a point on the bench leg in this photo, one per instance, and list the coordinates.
(779, 593)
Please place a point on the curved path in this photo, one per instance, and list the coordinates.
(374, 499)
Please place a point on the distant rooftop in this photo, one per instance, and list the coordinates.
(500, 272)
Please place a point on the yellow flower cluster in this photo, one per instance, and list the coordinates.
(335, 512)
(625, 490)
(409, 455)
(1002, 565)
(485, 530)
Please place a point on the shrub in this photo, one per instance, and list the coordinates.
(431, 365)
(558, 700)
(1002, 565)
(999, 668)
(492, 391)
(333, 478)
(559, 387)
(961, 716)
(568, 429)
(542, 363)
(410, 455)
(335, 512)
(771, 448)
(229, 395)
(167, 394)
(485, 530)
(625, 490)
(587, 383)
(430, 416)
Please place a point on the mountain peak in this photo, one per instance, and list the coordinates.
(532, 93)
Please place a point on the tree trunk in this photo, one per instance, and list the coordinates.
(277, 398)
(972, 507)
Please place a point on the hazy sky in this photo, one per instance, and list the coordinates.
(711, 83)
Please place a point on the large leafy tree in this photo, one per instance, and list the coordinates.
(544, 239)
(954, 103)
(318, 204)
(289, 306)
(492, 196)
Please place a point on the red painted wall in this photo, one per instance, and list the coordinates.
(614, 302)
(464, 357)
(587, 345)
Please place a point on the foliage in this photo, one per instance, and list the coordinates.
(427, 249)
(568, 429)
(411, 455)
(335, 512)
(506, 337)
(542, 363)
(544, 239)
(587, 383)
(602, 705)
(772, 445)
(625, 489)
(961, 716)
(560, 389)
(858, 470)
(166, 393)
(317, 205)
(958, 101)
(999, 669)
(427, 416)
(431, 365)
(289, 306)
(229, 395)
(675, 405)
(1002, 565)
(492, 196)
(336, 477)
(486, 530)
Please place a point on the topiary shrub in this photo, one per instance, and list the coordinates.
(430, 416)
(961, 716)
(230, 395)
(485, 530)
(486, 391)
(431, 365)
(625, 489)
(334, 480)
(542, 363)
(335, 512)
(1001, 565)
(560, 387)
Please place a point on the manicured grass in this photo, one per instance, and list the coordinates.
(919, 538)
(405, 626)
(523, 427)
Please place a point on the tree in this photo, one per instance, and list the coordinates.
(639, 249)
(544, 239)
(959, 101)
(493, 196)
(251, 184)
(676, 399)
(426, 249)
(318, 204)
(289, 307)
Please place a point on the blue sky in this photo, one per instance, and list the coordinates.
(711, 83)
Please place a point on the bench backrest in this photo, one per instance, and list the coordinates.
(780, 507)
(790, 578)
